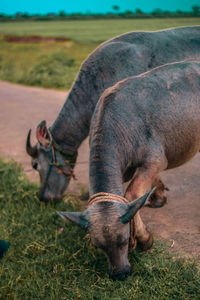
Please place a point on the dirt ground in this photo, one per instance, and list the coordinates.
(177, 223)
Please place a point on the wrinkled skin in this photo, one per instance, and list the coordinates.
(126, 55)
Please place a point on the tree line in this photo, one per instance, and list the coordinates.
(115, 13)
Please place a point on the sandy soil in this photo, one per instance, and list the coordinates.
(178, 222)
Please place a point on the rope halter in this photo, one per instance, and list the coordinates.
(69, 159)
(108, 197)
(58, 167)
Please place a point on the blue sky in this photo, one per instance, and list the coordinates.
(44, 6)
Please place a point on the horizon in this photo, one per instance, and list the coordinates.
(11, 7)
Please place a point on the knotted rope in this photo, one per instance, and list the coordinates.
(108, 197)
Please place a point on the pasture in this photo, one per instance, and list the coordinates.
(55, 65)
(92, 31)
(42, 263)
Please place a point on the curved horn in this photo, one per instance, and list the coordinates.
(32, 151)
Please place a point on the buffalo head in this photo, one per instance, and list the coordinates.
(54, 170)
(108, 226)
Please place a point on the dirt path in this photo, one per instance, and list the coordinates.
(178, 222)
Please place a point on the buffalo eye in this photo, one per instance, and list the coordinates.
(34, 165)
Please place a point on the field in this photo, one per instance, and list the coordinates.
(50, 65)
(42, 263)
(55, 65)
(92, 31)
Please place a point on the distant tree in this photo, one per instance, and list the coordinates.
(157, 12)
(179, 12)
(18, 14)
(128, 12)
(25, 15)
(139, 12)
(196, 10)
(62, 13)
(167, 13)
(115, 8)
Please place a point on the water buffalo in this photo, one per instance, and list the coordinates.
(124, 56)
(140, 127)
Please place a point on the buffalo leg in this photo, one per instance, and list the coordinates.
(158, 198)
(140, 185)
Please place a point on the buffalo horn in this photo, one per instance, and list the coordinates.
(32, 151)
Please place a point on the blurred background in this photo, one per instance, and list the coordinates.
(43, 43)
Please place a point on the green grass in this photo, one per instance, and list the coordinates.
(34, 64)
(92, 30)
(50, 65)
(42, 264)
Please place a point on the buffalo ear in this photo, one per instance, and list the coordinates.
(134, 206)
(43, 134)
(79, 218)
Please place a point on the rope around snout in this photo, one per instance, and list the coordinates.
(102, 197)
(108, 197)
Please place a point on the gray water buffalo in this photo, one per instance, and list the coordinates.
(130, 54)
(141, 126)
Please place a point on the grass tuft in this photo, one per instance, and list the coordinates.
(43, 263)
(49, 65)
(50, 70)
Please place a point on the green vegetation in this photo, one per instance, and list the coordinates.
(42, 263)
(92, 30)
(50, 65)
(55, 65)
(50, 70)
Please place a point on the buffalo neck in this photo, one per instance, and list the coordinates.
(71, 126)
(105, 169)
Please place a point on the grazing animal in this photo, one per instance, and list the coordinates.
(130, 54)
(141, 126)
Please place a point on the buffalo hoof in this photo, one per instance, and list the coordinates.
(148, 244)
(156, 202)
